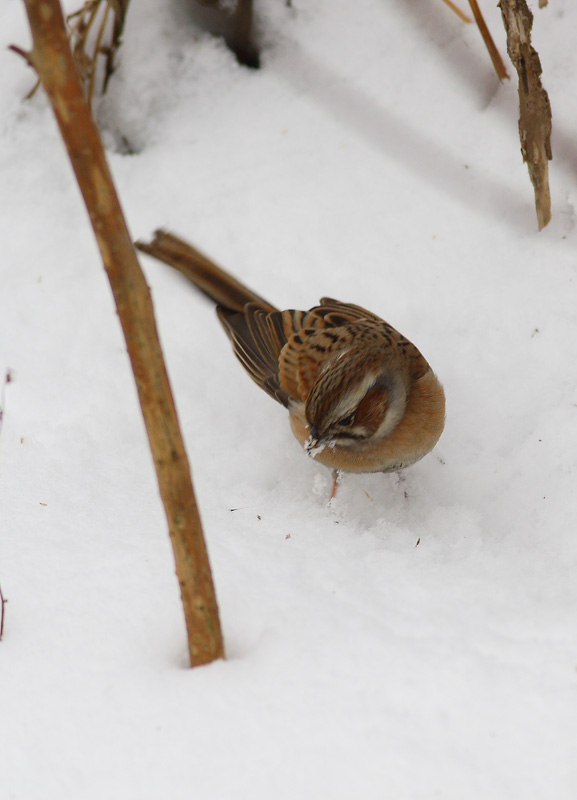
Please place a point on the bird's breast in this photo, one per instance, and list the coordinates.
(415, 435)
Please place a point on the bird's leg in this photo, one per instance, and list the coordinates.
(337, 475)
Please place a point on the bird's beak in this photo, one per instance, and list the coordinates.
(314, 445)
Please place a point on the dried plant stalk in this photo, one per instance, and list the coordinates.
(80, 25)
(234, 21)
(3, 602)
(498, 63)
(52, 58)
(535, 109)
(457, 10)
(98, 16)
(7, 380)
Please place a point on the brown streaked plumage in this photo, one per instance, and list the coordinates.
(361, 397)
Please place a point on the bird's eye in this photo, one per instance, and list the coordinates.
(346, 421)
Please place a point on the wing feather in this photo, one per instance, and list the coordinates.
(285, 351)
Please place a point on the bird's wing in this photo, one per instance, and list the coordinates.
(284, 351)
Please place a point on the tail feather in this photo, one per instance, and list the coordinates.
(253, 325)
(210, 279)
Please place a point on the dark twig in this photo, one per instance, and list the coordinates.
(3, 602)
(7, 380)
(234, 21)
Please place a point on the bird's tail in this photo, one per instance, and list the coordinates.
(210, 279)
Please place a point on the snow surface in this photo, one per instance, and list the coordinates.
(418, 638)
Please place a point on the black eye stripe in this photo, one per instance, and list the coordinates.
(346, 421)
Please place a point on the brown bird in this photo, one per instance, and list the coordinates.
(360, 397)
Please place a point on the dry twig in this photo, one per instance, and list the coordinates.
(535, 109)
(85, 48)
(457, 10)
(3, 602)
(87, 29)
(53, 61)
(489, 43)
(7, 380)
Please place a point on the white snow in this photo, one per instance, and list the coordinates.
(418, 638)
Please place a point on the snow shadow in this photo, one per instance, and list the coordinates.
(428, 160)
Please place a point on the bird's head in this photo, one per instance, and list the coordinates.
(357, 397)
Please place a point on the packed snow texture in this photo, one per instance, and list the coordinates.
(415, 639)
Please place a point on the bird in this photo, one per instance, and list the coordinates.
(360, 396)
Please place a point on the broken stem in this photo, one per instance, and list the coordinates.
(535, 120)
